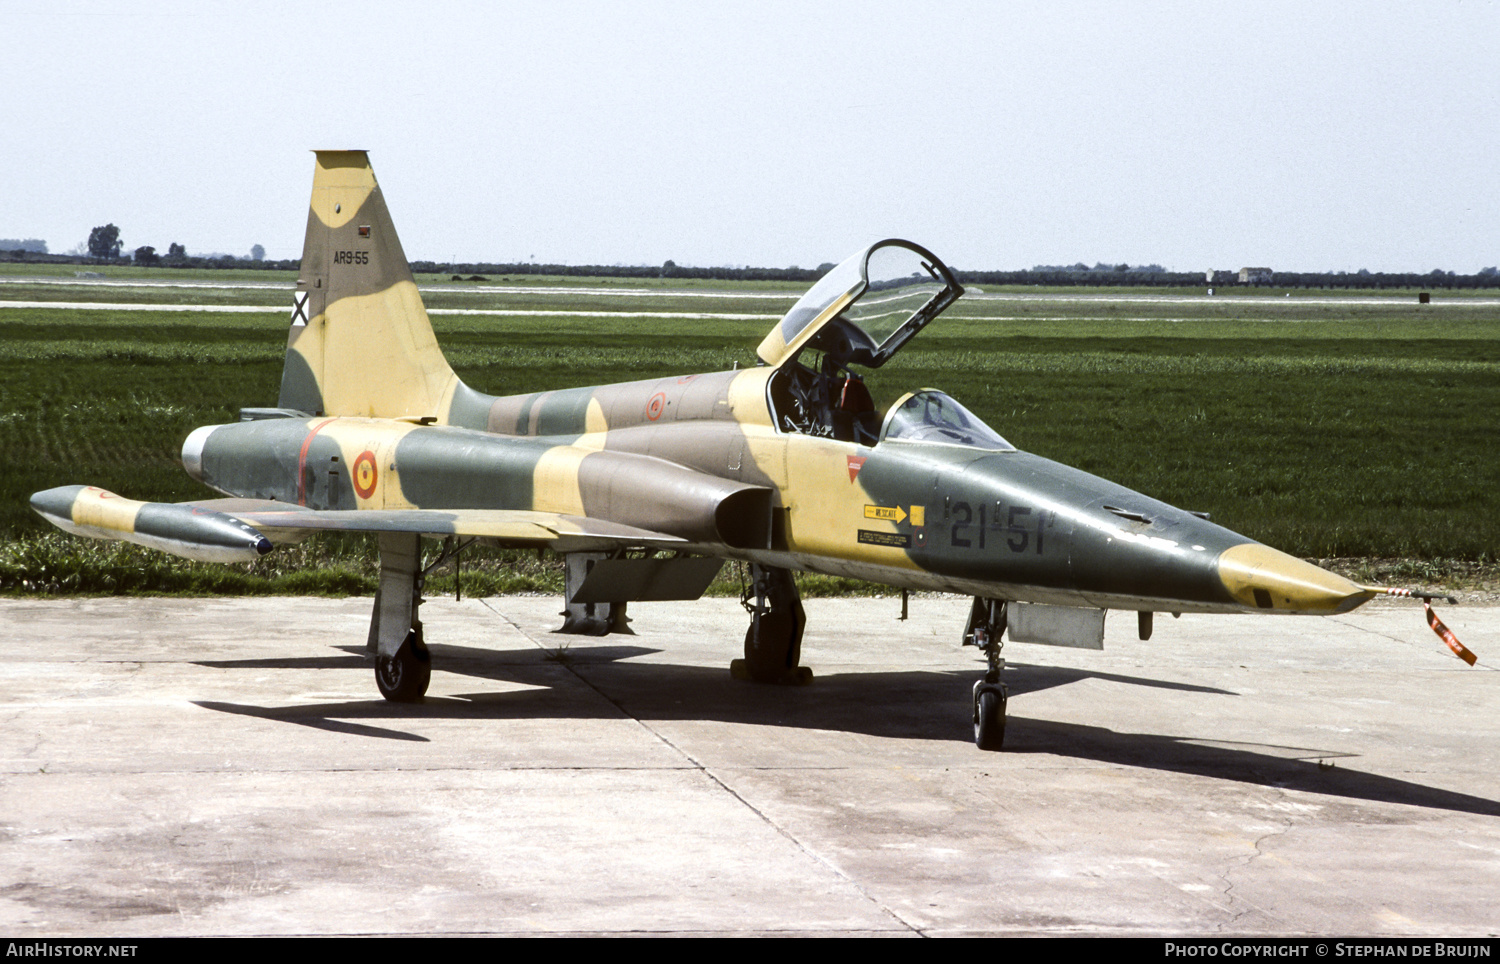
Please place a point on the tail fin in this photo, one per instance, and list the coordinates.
(360, 341)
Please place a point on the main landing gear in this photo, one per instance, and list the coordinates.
(403, 666)
(773, 643)
(985, 628)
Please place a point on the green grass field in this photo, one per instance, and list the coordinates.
(1325, 426)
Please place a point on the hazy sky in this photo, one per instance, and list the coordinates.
(1303, 136)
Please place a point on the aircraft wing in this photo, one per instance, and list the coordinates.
(283, 523)
(242, 530)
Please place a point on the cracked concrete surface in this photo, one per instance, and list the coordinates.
(173, 766)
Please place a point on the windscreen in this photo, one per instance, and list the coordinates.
(931, 416)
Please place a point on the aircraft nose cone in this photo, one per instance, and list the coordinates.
(1263, 578)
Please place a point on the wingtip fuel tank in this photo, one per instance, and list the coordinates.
(183, 530)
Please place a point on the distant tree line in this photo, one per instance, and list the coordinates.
(105, 245)
(149, 257)
(667, 270)
(1116, 276)
(1485, 278)
(1101, 268)
(1121, 276)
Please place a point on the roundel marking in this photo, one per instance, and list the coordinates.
(655, 405)
(365, 474)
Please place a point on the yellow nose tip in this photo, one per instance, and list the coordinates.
(1263, 578)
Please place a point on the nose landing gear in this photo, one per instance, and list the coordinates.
(985, 628)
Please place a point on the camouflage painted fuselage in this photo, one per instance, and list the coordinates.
(666, 454)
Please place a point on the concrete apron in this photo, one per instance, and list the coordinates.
(225, 766)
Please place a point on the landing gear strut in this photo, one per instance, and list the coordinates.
(403, 666)
(985, 628)
(773, 643)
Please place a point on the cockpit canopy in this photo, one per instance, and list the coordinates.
(931, 416)
(860, 314)
(864, 310)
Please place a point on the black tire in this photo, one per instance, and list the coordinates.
(403, 678)
(989, 720)
(767, 654)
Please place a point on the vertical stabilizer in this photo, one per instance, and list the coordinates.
(360, 342)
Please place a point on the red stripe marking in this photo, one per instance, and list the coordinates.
(302, 461)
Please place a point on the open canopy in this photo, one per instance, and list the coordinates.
(864, 310)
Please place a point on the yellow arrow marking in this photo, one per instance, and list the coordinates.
(889, 513)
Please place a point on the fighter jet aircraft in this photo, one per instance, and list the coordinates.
(646, 488)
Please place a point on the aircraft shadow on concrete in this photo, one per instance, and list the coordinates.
(601, 682)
